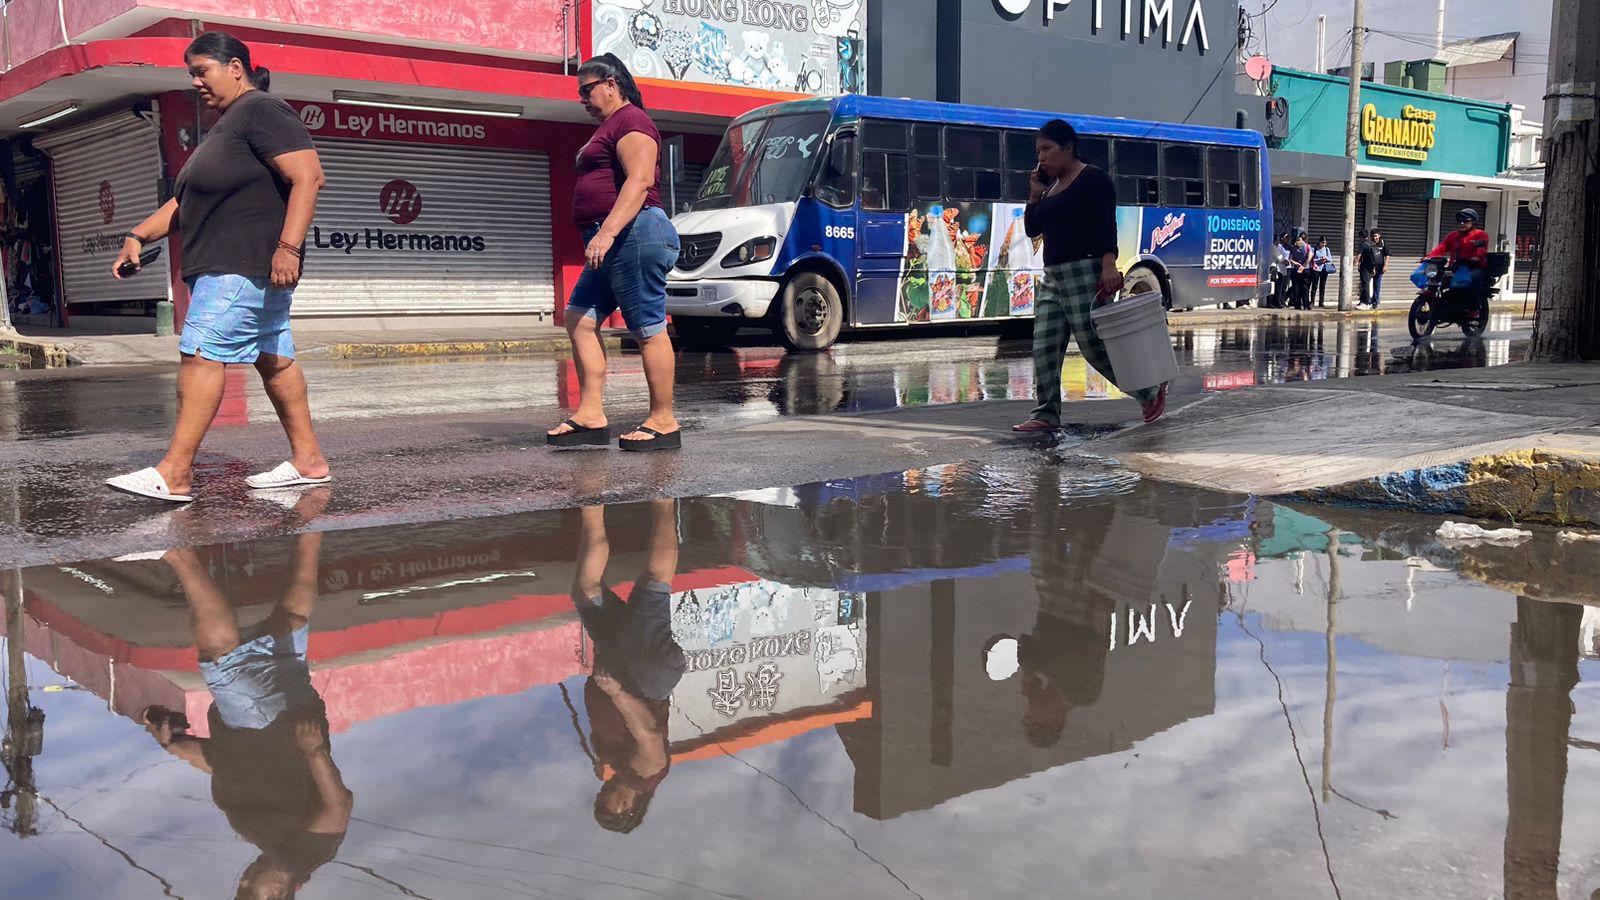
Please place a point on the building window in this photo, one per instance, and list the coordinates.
(1182, 175)
(972, 164)
(1136, 170)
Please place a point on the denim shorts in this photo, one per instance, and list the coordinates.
(235, 319)
(633, 277)
(261, 679)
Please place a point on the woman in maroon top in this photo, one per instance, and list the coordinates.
(630, 245)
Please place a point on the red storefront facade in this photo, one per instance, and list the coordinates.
(453, 210)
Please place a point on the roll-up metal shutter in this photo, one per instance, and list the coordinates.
(1527, 274)
(1447, 215)
(1404, 224)
(1325, 218)
(107, 180)
(409, 228)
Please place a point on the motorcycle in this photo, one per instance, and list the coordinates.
(1438, 304)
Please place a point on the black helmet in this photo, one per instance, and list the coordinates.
(1467, 215)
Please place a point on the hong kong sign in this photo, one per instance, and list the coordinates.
(801, 46)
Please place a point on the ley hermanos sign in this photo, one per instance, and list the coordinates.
(1146, 18)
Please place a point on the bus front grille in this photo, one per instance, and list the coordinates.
(697, 249)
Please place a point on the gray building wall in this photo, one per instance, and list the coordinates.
(973, 51)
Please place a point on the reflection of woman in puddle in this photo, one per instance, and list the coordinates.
(1091, 561)
(637, 664)
(268, 755)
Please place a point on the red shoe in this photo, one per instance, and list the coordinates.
(1154, 409)
(1034, 426)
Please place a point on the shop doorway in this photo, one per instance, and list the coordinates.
(27, 238)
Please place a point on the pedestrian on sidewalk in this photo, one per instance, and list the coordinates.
(1300, 258)
(243, 204)
(1322, 265)
(1280, 270)
(1374, 262)
(1073, 205)
(630, 245)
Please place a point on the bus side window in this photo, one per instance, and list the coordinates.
(972, 164)
(1095, 151)
(1021, 159)
(1223, 180)
(836, 183)
(1136, 170)
(1182, 175)
(927, 172)
(885, 181)
(1251, 176)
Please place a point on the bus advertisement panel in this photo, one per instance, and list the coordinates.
(976, 261)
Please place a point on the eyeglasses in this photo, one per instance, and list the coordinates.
(584, 90)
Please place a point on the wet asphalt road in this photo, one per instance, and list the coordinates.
(1024, 678)
(446, 438)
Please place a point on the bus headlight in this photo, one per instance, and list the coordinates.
(752, 251)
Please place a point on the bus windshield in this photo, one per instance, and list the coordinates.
(763, 161)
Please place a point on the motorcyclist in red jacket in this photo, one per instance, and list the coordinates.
(1468, 244)
(1466, 248)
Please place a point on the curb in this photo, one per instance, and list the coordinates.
(1256, 313)
(1551, 487)
(419, 349)
(37, 354)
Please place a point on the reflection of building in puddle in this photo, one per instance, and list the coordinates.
(962, 702)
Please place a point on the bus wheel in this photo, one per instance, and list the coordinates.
(809, 313)
(1145, 280)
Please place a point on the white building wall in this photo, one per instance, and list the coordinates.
(1404, 30)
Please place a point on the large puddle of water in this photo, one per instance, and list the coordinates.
(1051, 680)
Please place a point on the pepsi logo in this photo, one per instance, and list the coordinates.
(400, 201)
(313, 117)
(108, 202)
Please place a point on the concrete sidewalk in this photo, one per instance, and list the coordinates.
(1518, 443)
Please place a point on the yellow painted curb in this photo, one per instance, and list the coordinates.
(452, 348)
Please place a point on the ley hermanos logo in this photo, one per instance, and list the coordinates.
(400, 201)
(313, 117)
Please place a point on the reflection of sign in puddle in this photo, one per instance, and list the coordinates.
(761, 649)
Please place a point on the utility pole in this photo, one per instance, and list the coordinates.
(1352, 148)
(1438, 38)
(1566, 323)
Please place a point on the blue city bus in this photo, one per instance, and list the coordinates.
(869, 212)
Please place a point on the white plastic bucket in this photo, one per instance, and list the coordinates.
(1135, 334)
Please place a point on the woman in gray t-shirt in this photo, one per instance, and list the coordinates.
(243, 204)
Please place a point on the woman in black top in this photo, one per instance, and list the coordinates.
(243, 204)
(1074, 206)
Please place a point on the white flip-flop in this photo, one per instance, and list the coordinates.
(285, 475)
(147, 483)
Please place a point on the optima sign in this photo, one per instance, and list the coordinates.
(1144, 18)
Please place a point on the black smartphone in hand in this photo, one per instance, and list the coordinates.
(128, 269)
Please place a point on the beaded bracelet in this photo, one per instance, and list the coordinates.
(299, 252)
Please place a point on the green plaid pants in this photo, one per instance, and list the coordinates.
(1060, 312)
